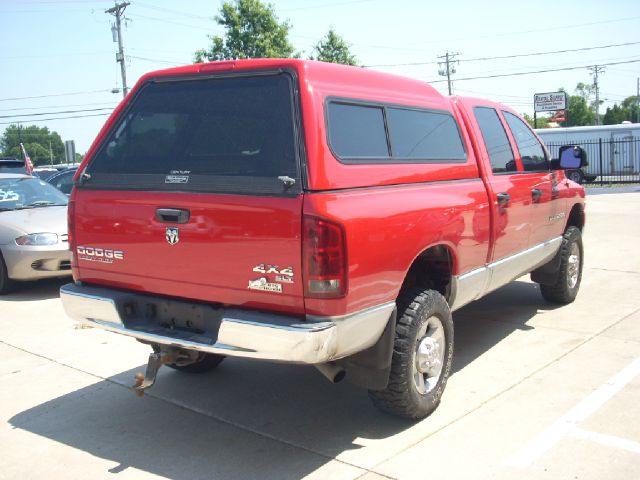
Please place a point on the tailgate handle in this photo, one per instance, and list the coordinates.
(172, 215)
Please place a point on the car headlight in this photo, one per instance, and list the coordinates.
(37, 239)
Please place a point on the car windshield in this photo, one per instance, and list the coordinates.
(28, 192)
(12, 166)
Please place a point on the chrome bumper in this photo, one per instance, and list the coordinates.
(237, 332)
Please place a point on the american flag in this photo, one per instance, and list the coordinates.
(27, 160)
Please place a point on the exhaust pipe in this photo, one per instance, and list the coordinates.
(331, 371)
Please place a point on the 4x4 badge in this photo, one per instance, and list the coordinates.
(173, 235)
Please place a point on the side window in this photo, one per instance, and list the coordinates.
(357, 131)
(426, 135)
(531, 151)
(495, 138)
(366, 133)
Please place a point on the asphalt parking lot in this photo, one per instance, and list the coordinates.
(537, 392)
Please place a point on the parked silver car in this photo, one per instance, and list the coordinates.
(33, 230)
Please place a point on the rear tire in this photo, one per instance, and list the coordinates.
(205, 363)
(565, 289)
(422, 356)
(576, 175)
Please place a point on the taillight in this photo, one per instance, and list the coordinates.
(325, 258)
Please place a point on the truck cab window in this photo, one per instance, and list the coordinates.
(495, 139)
(531, 151)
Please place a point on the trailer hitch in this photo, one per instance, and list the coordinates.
(156, 360)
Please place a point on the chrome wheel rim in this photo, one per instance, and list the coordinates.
(429, 355)
(573, 266)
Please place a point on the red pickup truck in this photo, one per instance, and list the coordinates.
(304, 212)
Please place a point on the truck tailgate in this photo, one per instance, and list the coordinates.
(233, 249)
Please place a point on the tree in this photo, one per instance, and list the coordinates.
(333, 48)
(542, 121)
(41, 144)
(579, 111)
(628, 111)
(252, 31)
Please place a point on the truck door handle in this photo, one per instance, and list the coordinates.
(536, 193)
(172, 215)
(503, 199)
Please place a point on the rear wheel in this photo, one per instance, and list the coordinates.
(565, 289)
(204, 362)
(576, 175)
(422, 356)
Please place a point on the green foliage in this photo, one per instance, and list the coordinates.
(36, 141)
(579, 112)
(252, 30)
(542, 121)
(333, 48)
(627, 111)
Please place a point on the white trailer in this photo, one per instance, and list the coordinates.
(612, 150)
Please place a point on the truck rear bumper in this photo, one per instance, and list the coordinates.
(230, 332)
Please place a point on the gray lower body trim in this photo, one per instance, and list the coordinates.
(237, 332)
(476, 283)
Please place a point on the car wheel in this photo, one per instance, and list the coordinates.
(576, 175)
(5, 282)
(422, 356)
(565, 289)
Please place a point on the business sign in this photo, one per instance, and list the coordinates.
(70, 151)
(550, 102)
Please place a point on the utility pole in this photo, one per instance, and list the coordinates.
(638, 100)
(449, 68)
(595, 71)
(117, 10)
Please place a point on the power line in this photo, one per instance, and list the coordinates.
(534, 71)
(56, 113)
(173, 12)
(53, 95)
(59, 106)
(337, 4)
(156, 60)
(199, 27)
(57, 118)
(510, 56)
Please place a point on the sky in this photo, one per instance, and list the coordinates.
(58, 58)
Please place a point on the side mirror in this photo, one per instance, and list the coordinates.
(572, 157)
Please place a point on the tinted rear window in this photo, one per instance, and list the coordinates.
(358, 131)
(224, 134)
(424, 135)
(364, 133)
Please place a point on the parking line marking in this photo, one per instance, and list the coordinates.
(563, 426)
(603, 439)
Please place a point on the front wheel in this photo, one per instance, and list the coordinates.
(5, 282)
(422, 356)
(565, 289)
